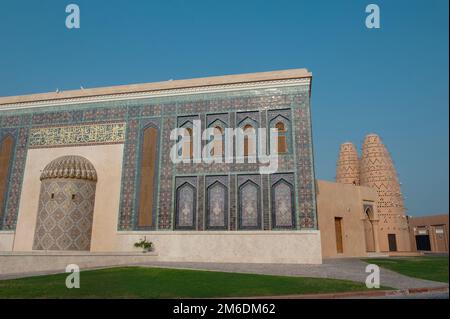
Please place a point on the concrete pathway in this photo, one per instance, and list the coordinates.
(344, 268)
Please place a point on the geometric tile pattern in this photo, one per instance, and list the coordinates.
(249, 199)
(217, 202)
(186, 203)
(64, 221)
(304, 162)
(14, 185)
(283, 207)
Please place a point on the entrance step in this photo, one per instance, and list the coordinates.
(377, 255)
(405, 254)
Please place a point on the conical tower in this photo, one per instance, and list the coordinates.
(347, 169)
(378, 172)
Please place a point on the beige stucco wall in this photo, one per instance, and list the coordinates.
(230, 246)
(6, 240)
(345, 201)
(438, 242)
(398, 225)
(107, 160)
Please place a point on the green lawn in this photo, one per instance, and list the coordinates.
(431, 268)
(137, 282)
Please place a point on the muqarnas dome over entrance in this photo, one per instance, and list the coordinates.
(66, 205)
(71, 166)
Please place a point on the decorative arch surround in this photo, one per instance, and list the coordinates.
(283, 201)
(369, 231)
(221, 119)
(187, 150)
(250, 127)
(247, 119)
(217, 202)
(281, 120)
(186, 203)
(149, 160)
(249, 199)
(219, 136)
(368, 210)
(6, 158)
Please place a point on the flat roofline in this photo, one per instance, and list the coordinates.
(445, 215)
(165, 85)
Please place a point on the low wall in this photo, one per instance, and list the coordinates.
(6, 240)
(42, 262)
(302, 247)
(291, 247)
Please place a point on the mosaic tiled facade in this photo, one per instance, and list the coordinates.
(217, 196)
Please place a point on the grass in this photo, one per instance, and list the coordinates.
(139, 282)
(430, 268)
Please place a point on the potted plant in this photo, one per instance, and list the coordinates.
(144, 244)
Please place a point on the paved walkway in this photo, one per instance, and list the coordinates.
(343, 268)
(347, 269)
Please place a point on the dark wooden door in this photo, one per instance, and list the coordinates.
(423, 242)
(338, 228)
(392, 242)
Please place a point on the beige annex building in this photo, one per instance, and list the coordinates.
(364, 208)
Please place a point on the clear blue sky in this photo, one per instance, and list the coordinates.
(393, 81)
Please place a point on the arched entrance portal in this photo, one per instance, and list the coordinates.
(369, 230)
(66, 205)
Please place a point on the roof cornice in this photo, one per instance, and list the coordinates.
(174, 87)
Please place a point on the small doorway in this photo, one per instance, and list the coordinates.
(441, 238)
(338, 230)
(423, 242)
(392, 242)
(368, 230)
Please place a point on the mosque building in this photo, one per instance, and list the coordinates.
(92, 170)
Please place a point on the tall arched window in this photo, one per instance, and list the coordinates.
(282, 204)
(186, 195)
(217, 206)
(148, 173)
(6, 152)
(188, 145)
(282, 140)
(249, 206)
(249, 140)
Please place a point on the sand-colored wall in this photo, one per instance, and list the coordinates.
(107, 160)
(6, 240)
(438, 242)
(398, 225)
(301, 247)
(345, 201)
